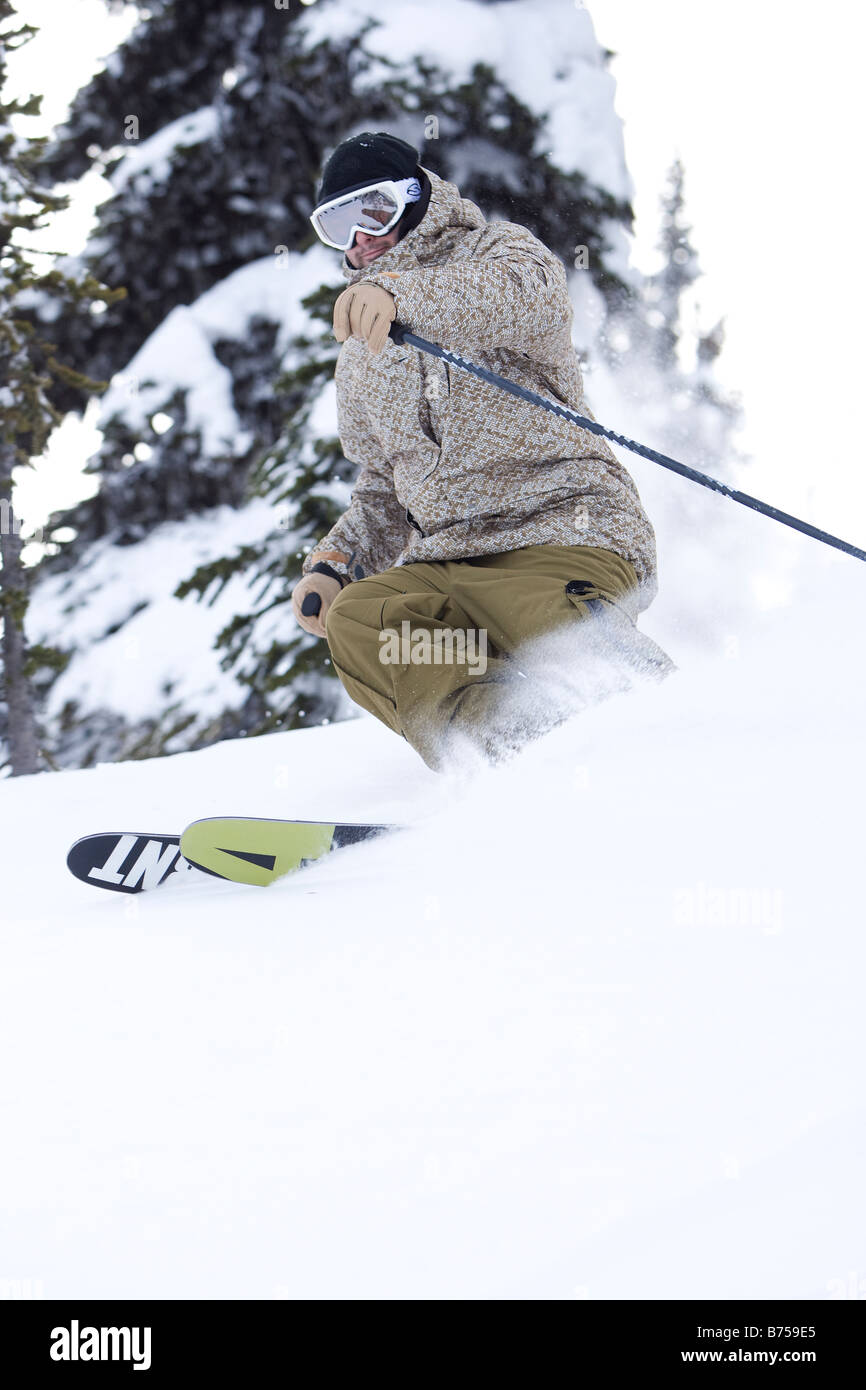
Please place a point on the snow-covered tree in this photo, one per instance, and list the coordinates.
(29, 367)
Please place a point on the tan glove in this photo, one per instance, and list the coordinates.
(311, 599)
(364, 311)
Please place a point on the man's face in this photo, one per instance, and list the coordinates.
(366, 248)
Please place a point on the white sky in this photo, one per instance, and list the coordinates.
(764, 103)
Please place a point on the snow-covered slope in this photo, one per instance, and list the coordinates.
(590, 1026)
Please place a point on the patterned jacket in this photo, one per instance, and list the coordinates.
(451, 466)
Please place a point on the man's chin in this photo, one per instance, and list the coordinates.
(369, 256)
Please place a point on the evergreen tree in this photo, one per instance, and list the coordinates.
(665, 290)
(665, 293)
(28, 368)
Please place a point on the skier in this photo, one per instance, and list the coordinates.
(478, 524)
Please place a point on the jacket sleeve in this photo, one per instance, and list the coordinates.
(511, 293)
(372, 531)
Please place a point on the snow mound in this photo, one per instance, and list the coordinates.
(589, 1026)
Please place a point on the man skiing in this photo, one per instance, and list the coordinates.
(474, 513)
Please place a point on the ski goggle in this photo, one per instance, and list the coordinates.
(374, 210)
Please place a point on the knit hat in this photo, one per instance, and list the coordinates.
(365, 158)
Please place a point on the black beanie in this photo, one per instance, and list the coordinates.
(365, 158)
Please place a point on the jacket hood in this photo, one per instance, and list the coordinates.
(449, 217)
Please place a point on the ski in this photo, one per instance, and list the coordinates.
(238, 849)
(248, 850)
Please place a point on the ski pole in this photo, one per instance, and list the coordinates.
(402, 335)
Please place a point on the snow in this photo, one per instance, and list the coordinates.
(270, 288)
(179, 354)
(591, 1026)
(150, 161)
(169, 642)
(544, 51)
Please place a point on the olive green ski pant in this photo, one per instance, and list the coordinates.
(489, 651)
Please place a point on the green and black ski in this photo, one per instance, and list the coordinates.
(239, 849)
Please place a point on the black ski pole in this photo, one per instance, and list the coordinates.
(402, 335)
